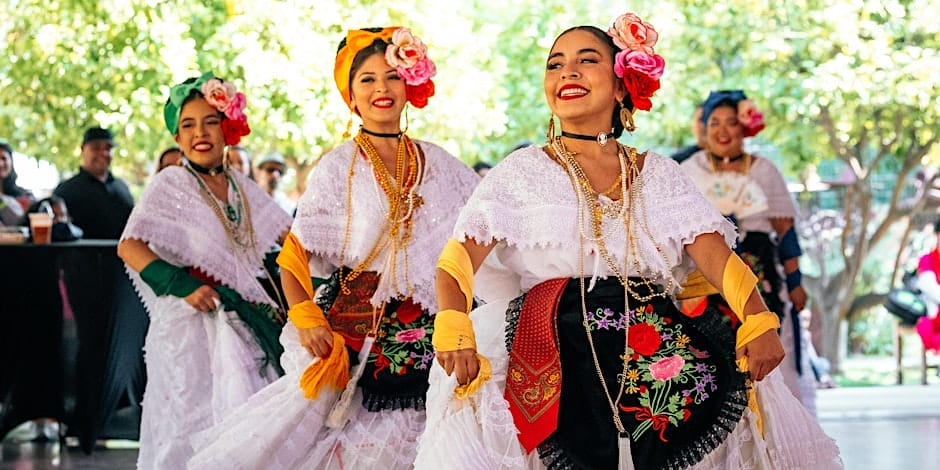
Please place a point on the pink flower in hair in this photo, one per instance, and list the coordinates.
(631, 32)
(235, 109)
(419, 73)
(405, 50)
(218, 93)
(651, 65)
(752, 120)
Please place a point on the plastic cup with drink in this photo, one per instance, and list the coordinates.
(40, 224)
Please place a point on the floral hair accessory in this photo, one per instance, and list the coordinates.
(637, 64)
(406, 52)
(752, 120)
(221, 95)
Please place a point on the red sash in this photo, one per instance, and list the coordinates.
(533, 381)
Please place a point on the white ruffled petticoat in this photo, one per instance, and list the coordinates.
(478, 432)
(280, 429)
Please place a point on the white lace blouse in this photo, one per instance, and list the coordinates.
(528, 206)
(320, 224)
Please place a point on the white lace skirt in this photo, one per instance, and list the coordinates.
(199, 367)
(478, 432)
(280, 429)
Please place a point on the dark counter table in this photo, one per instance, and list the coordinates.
(79, 369)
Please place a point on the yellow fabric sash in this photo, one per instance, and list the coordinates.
(485, 373)
(332, 370)
(737, 284)
(696, 286)
(455, 260)
(753, 326)
(453, 331)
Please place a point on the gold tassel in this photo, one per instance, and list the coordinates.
(626, 118)
(550, 135)
(347, 134)
(405, 130)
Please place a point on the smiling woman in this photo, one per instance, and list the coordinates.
(377, 212)
(193, 246)
(600, 239)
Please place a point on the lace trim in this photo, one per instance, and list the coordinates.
(172, 219)
(375, 402)
(553, 457)
(513, 310)
(321, 217)
(527, 202)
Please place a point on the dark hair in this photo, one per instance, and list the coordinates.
(167, 151)
(609, 41)
(936, 226)
(481, 166)
(377, 47)
(10, 188)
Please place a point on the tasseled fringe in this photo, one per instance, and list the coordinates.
(625, 461)
(332, 370)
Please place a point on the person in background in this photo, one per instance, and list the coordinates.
(698, 131)
(99, 202)
(588, 363)
(239, 160)
(269, 174)
(14, 200)
(928, 280)
(193, 247)
(749, 190)
(169, 157)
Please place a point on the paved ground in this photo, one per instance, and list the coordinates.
(877, 428)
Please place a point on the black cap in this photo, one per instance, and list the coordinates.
(96, 133)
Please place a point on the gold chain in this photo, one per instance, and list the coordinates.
(403, 200)
(232, 228)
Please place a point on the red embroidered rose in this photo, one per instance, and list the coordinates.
(686, 414)
(418, 95)
(408, 312)
(644, 339)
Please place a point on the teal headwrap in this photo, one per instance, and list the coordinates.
(178, 94)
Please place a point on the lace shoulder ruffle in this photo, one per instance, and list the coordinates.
(322, 213)
(173, 218)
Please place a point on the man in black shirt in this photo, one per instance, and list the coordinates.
(98, 202)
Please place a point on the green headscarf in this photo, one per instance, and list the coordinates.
(178, 94)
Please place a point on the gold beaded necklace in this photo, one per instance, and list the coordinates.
(240, 231)
(403, 200)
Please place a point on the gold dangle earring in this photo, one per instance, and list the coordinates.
(225, 151)
(349, 124)
(403, 131)
(550, 135)
(626, 118)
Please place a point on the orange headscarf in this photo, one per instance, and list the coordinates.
(356, 40)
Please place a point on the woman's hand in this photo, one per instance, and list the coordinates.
(798, 297)
(204, 299)
(464, 362)
(317, 341)
(763, 353)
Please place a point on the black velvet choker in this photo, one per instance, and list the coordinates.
(396, 135)
(727, 160)
(601, 137)
(207, 171)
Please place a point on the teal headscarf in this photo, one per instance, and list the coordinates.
(178, 94)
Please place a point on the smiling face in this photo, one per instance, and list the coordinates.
(378, 94)
(724, 132)
(200, 133)
(6, 163)
(96, 157)
(580, 85)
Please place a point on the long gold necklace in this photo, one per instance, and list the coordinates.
(240, 231)
(403, 201)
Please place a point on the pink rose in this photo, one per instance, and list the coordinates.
(649, 64)
(750, 118)
(218, 93)
(236, 107)
(667, 368)
(410, 336)
(405, 49)
(419, 73)
(631, 32)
